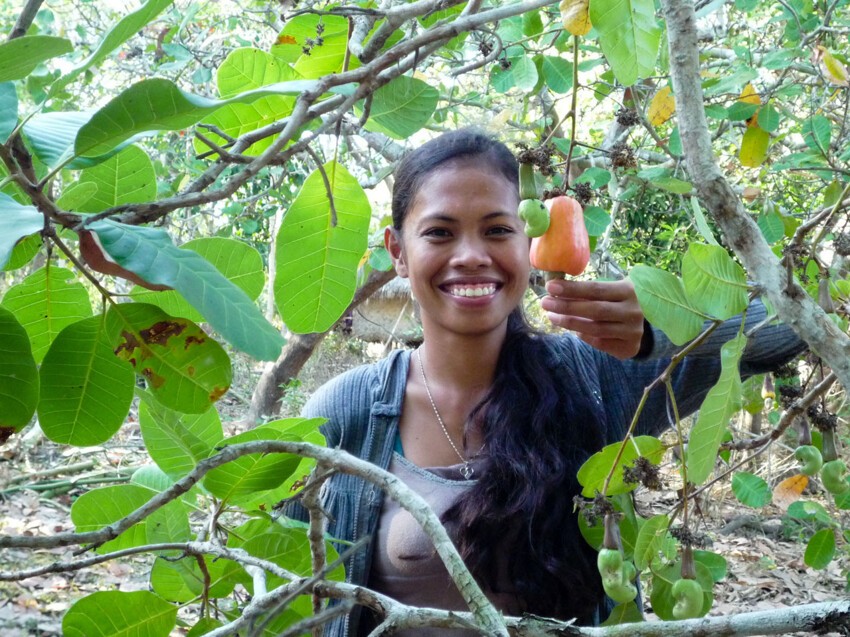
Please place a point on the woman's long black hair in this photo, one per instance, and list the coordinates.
(538, 429)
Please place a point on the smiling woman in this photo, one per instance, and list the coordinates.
(488, 420)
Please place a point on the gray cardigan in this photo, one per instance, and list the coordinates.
(363, 407)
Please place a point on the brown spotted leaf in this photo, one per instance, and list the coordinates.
(185, 369)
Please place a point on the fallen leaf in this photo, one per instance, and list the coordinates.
(789, 491)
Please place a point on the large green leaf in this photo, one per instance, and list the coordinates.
(16, 222)
(186, 370)
(249, 474)
(18, 374)
(664, 303)
(714, 282)
(177, 442)
(182, 580)
(595, 470)
(750, 489)
(123, 30)
(101, 507)
(317, 260)
(652, 535)
(323, 59)
(86, 389)
(46, 302)
(8, 110)
(158, 104)
(235, 259)
(717, 408)
(821, 549)
(125, 178)
(120, 614)
(402, 107)
(558, 73)
(629, 35)
(52, 136)
(150, 253)
(20, 56)
(244, 70)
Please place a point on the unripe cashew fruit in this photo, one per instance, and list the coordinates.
(536, 216)
(689, 599)
(810, 458)
(616, 576)
(832, 474)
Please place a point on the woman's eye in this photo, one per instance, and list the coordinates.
(436, 233)
(501, 230)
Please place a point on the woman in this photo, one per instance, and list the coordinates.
(488, 420)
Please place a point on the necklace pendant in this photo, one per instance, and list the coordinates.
(466, 471)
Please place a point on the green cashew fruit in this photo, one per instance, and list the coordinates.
(811, 459)
(616, 576)
(535, 215)
(832, 474)
(689, 600)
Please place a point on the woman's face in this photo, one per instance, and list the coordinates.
(463, 248)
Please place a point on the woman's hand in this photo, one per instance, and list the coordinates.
(604, 314)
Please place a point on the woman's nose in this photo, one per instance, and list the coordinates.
(471, 252)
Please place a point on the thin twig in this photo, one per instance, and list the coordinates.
(326, 181)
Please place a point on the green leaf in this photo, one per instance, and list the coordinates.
(158, 104)
(751, 490)
(46, 302)
(558, 74)
(329, 56)
(249, 474)
(19, 388)
(665, 304)
(754, 147)
(19, 57)
(629, 36)
(593, 472)
(119, 614)
(817, 133)
(123, 30)
(716, 564)
(769, 119)
(16, 222)
(624, 614)
(86, 389)
(596, 220)
(402, 107)
(717, 408)
(149, 253)
(650, 539)
(8, 110)
(524, 72)
(740, 111)
(671, 184)
(177, 442)
(316, 260)
(205, 625)
(125, 178)
(714, 282)
(76, 195)
(23, 252)
(821, 549)
(52, 136)
(235, 259)
(185, 369)
(595, 176)
(702, 223)
(182, 580)
(244, 70)
(771, 225)
(101, 507)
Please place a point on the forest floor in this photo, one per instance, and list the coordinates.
(763, 549)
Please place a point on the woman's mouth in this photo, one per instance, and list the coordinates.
(470, 291)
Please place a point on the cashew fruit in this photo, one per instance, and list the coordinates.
(565, 246)
(616, 575)
(689, 599)
(833, 477)
(810, 459)
(535, 215)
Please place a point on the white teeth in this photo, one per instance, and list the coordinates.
(473, 291)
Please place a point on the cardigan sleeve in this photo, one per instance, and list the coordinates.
(622, 382)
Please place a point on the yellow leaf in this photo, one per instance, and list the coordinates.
(789, 491)
(834, 69)
(749, 95)
(576, 16)
(754, 147)
(662, 106)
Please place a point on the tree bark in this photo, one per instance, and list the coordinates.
(266, 399)
(793, 305)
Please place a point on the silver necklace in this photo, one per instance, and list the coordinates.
(466, 470)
